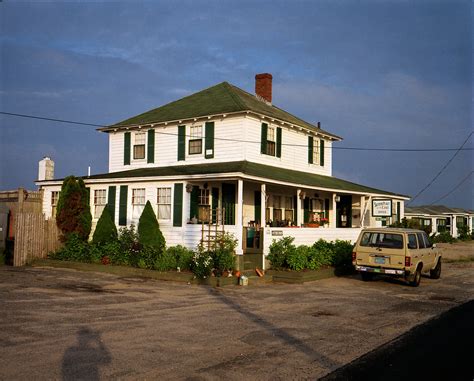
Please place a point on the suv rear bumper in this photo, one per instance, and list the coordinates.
(379, 270)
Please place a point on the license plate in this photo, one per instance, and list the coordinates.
(380, 261)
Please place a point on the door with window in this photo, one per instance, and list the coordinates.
(344, 212)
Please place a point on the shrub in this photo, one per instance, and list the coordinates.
(443, 237)
(342, 256)
(129, 245)
(322, 253)
(202, 263)
(114, 252)
(105, 230)
(298, 259)
(223, 254)
(183, 255)
(279, 252)
(149, 233)
(73, 211)
(75, 249)
(463, 232)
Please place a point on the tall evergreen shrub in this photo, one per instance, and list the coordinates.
(105, 231)
(73, 213)
(149, 233)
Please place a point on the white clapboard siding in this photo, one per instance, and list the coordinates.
(294, 156)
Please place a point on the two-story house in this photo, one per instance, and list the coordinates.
(226, 157)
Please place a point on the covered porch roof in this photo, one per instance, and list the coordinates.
(245, 169)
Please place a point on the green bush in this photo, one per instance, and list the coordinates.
(279, 252)
(322, 253)
(149, 233)
(298, 259)
(443, 237)
(129, 245)
(183, 255)
(342, 256)
(75, 249)
(202, 264)
(105, 230)
(73, 211)
(463, 233)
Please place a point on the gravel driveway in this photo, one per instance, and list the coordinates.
(59, 323)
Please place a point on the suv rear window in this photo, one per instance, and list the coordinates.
(377, 239)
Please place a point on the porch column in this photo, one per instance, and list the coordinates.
(263, 213)
(239, 220)
(299, 219)
(332, 216)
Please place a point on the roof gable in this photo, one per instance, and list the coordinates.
(218, 99)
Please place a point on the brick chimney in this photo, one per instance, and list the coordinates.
(263, 86)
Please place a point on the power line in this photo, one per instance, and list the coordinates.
(442, 169)
(452, 190)
(250, 141)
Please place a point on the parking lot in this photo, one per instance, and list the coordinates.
(59, 323)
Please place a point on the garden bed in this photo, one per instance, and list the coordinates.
(125, 271)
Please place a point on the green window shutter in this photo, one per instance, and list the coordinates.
(178, 205)
(310, 149)
(278, 142)
(193, 207)
(151, 147)
(295, 206)
(326, 208)
(181, 142)
(111, 201)
(215, 203)
(209, 142)
(123, 205)
(321, 152)
(306, 210)
(258, 206)
(126, 149)
(263, 143)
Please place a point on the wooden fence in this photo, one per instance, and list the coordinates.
(35, 237)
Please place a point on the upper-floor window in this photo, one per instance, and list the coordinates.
(100, 200)
(164, 203)
(54, 202)
(139, 145)
(271, 141)
(316, 153)
(195, 140)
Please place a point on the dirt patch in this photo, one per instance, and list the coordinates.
(458, 251)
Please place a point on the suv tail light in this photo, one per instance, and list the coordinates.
(354, 255)
(407, 261)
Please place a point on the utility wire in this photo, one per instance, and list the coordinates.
(442, 169)
(250, 141)
(455, 188)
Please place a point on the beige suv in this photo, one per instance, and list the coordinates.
(395, 252)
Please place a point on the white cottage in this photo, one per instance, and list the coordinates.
(224, 159)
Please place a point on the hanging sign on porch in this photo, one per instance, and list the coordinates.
(277, 232)
(381, 208)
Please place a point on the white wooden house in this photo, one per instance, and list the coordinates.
(224, 156)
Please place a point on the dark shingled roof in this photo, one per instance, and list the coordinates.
(435, 210)
(218, 99)
(250, 169)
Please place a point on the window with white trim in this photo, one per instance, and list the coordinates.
(289, 209)
(54, 202)
(316, 156)
(277, 208)
(271, 141)
(138, 196)
(164, 203)
(139, 145)
(195, 140)
(204, 207)
(100, 200)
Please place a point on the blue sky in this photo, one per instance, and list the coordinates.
(378, 73)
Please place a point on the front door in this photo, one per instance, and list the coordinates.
(228, 203)
(344, 212)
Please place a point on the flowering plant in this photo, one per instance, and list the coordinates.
(202, 264)
(324, 221)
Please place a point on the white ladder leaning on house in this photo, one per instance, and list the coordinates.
(213, 229)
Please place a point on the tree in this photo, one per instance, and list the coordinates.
(149, 233)
(73, 213)
(105, 231)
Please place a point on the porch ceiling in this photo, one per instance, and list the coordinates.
(260, 171)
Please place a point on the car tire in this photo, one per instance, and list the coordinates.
(366, 277)
(436, 272)
(415, 282)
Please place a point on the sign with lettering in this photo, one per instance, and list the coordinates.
(277, 232)
(381, 208)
